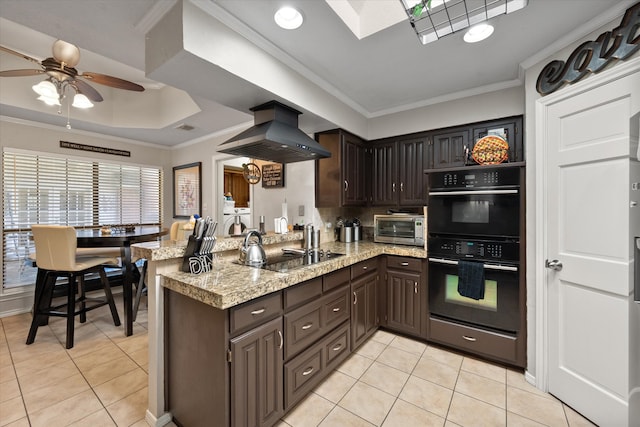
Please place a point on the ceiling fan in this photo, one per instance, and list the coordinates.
(61, 72)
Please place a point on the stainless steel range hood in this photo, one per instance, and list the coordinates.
(275, 137)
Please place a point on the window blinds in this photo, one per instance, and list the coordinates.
(45, 189)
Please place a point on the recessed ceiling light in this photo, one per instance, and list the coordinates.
(478, 32)
(288, 18)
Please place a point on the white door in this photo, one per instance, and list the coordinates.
(587, 169)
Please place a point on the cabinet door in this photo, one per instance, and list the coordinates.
(384, 175)
(448, 148)
(412, 163)
(364, 313)
(403, 301)
(257, 376)
(353, 171)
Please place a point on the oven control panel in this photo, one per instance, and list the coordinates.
(475, 178)
(473, 249)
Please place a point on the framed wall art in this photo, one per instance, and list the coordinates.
(187, 190)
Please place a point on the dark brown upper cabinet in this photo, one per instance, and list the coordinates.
(397, 173)
(341, 180)
(449, 147)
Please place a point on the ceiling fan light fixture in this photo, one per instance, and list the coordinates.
(478, 32)
(288, 18)
(81, 101)
(46, 89)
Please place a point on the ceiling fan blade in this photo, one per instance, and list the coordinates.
(103, 79)
(20, 73)
(21, 55)
(87, 90)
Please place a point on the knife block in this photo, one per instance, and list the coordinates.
(194, 262)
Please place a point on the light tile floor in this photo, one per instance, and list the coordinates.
(389, 381)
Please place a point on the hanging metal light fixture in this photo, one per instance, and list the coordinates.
(434, 19)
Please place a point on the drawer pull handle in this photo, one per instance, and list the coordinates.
(281, 340)
(336, 309)
(307, 372)
(307, 326)
(337, 348)
(472, 339)
(256, 312)
(365, 267)
(404, 264)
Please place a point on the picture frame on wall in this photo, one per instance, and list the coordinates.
(187, 190)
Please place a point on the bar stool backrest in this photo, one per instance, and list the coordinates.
(55, 247)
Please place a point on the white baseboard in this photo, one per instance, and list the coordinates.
(164, 420)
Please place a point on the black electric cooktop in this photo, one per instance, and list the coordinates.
(290, 260)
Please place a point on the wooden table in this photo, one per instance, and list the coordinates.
(91, 238)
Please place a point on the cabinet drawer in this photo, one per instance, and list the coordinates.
(336, 308)
(404, 263)
(364, 267)
(336, 346)
(302, 374)
(485, 343)
(253, 313)
(302, 293)
(335, 279)
(302, 327)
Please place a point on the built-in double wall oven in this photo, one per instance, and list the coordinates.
(474, 225)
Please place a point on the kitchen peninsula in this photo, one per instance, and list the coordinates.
(242, 342)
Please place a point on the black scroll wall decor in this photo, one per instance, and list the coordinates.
(593, 56)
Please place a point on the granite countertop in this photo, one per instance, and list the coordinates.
(230, 284)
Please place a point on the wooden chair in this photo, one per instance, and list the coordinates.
(56, 257)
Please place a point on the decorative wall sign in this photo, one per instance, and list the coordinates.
(273, 175)
(251, 173)
(593, 56)
(94, 149)
(187, 191)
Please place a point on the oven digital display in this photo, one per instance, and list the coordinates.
(470, 212)
(490, 301)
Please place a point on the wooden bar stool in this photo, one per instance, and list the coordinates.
(56, 257)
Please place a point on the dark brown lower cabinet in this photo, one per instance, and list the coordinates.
(403, 299)
(406, 295)
(364, 311)
(257, 376)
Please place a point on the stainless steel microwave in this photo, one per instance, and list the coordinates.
(399, 229)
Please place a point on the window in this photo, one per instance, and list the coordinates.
(45, 189)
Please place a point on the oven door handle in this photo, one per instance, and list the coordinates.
(487, 266)
(471, 192)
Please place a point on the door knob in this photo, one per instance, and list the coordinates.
(553, 265)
